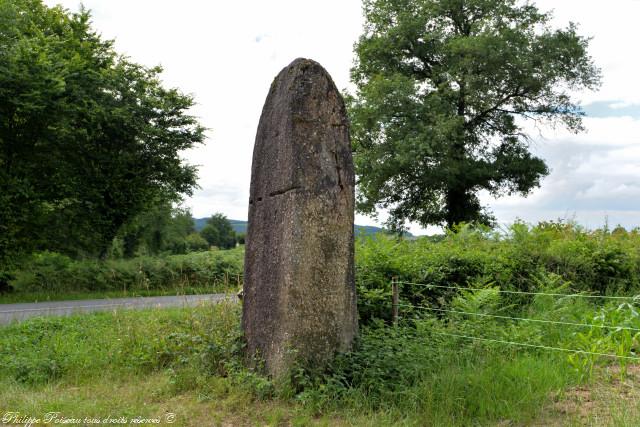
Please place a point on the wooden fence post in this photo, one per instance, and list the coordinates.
(395, 298)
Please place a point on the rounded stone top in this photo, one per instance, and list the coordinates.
(305, 68)
(304, 131)
(304, 63)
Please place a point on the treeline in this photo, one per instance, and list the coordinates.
(159, 249)
(168, 230)
(550, 255)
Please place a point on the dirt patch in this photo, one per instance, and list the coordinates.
(611, 398)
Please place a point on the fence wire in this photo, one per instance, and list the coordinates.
(526, 319)
(426, 285)
(544, 347)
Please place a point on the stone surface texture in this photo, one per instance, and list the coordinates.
(299, 293)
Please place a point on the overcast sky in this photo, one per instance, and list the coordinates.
(226, 53)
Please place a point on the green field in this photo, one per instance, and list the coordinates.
(451, 361)
(187, 362)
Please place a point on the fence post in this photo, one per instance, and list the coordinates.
(394, 302)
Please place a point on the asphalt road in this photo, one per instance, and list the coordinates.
(18, 312)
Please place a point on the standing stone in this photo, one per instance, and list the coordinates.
(299, 292)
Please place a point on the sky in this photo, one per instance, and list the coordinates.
(226, 54)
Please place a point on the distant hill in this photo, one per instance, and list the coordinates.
(241, 227)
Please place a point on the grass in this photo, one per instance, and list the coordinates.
(190, 361)
(185, 361)
(152, 397)
(607, 400)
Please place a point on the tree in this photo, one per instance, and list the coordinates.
(241, 238)
(195, 243)
(219, 232)
(160, 229)
(88, 139)
(444, 89)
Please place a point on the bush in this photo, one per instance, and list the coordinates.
(599, 261)
(195, 243)
(52, 272)
(427, 368)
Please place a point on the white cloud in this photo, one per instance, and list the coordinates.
(614, 30)
(594, 175)
(620, 105)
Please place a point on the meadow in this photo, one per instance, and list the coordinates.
(522, 326)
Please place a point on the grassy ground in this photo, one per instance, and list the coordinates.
(188, 362)
(604, 402)
(154, 363)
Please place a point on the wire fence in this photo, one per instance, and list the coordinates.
(525, 319)
(427, 285)
(396, 305)
(544, 347)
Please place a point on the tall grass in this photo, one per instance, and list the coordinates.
(119, 343)
(421, 372)
(404, 375)
(396, 376)
(54, 273)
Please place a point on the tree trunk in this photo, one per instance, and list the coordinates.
(456, 202)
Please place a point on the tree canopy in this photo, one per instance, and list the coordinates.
(88, 138)
(443, 91)
(157, 230)
(219, 232)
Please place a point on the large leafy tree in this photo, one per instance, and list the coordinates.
(88, 139)
(160, 229)
(444, 89)
(219, 232)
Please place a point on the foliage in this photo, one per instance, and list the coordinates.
(120, 342)
(620, 336)
(161, 229)
(5, 286)
(218, 232)
(444, 88)
(522, 258)
(439, 364)
(428, 368)
(195, 242)
(88, 139)
(50, 272)
(397, 374)
(241, 237)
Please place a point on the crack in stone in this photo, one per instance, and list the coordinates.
(286, 190)
(338, 169)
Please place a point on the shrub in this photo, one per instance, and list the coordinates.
(195, 243)
(52, 272)
(597, 261)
